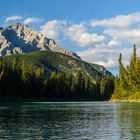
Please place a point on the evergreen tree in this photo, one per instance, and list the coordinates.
(102, 86)
(24, 72)
(127, 83)
(1, 68)
(70, 83)
(78, 84)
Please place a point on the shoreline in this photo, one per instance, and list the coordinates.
(124, 101)
(19, 99)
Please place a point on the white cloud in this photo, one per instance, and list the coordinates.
(53, 28)
(109, 64)
(23, 19)
(108, 57)
(78, 33)
(114, 43)
(102, 56)
(13, 18)
(120, 30)
(126, 36)
(30, 20)
(97, 54)
(120, 21)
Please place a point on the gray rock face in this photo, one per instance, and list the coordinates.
(54, 47)
(19, 38)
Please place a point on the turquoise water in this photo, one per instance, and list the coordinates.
(70, 121)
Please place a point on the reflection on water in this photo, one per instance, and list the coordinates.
(70, 121)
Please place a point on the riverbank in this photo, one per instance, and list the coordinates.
(125, 101)
(44, 99)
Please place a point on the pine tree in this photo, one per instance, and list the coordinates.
(1, 64)
(78, 85)
(1, 68)
(39, 73)
(24, 72)
(127, 84)
(54, 84)
(102, 86)
(70, 82)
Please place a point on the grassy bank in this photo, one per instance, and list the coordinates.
(125, 101)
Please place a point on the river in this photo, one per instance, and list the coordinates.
(70, 121)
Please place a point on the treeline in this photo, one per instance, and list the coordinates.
(24, 81)
(127, 83)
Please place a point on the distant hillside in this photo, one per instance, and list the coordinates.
(57, 61)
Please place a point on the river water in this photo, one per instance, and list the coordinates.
(70, 121)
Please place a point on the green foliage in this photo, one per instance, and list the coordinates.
(127, 83)
(1, 67)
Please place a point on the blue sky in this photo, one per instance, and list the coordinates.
(98, 30)
(75, 10)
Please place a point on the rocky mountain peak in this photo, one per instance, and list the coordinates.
(19, 38)
(18, 26)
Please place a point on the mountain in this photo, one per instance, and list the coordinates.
(33, 47)
(19, 38)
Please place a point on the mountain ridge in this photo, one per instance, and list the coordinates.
(19, 38)
(55, 61)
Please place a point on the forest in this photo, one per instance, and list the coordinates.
(127, 83)
(22, 81)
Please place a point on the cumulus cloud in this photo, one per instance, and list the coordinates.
(31, 20)
(126, 36)
(114, 43)
(120, 30)
(78, 33)
(13, 18)
(101, 56)
(53, 28)
(109, 64)
(97, 54)
(120, 21)
(108, 57)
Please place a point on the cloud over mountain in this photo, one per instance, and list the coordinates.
(13, 18)
(53, 28)
(30, 20)
(79, 34)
